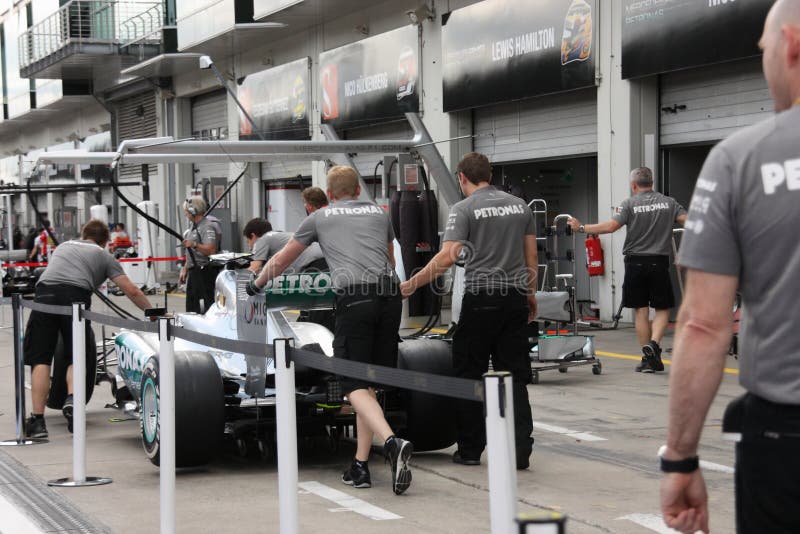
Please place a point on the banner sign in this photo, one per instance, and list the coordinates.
(502, 50)
(277, 100)
(666, 35)
(373, 80)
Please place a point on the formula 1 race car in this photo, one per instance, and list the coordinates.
(224, 397)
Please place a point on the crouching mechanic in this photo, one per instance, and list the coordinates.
(496, 232)
(76, 269)
(356, 238)
(265, 244)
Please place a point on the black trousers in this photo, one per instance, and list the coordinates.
(768, 468)
(493, 326)
(200, 284)
(43, 329)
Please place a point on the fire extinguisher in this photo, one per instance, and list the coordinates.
(594, 256)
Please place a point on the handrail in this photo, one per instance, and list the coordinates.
(111, 22)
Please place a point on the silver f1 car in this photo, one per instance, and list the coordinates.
(229, 397)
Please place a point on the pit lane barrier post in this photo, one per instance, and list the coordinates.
(19, 377)
(500, 450)
(166, 420)
(79, 478)
(286, 419)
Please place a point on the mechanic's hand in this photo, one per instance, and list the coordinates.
(182, 276)
(252, 288)
(532, 308)
(188, 243)
(684, 501)
(407, 289)
(574, 223)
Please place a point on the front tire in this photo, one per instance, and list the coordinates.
(199, 409)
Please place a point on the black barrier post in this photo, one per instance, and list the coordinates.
(19, 376)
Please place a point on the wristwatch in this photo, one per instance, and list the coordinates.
(582, 229)
(686, 465)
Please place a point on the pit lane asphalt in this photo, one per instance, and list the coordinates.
(594, 460)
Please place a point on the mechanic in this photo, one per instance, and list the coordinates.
(41, 243)
(76, 268)
(736, 238)
(649, 217)
(314, 198)
(201, 241)
(265, 243)
(356, 238)
(495, 231)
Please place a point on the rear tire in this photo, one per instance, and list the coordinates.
(431, 421)
(199, 409)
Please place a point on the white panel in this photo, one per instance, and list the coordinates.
(719, 100)
(210, 121)
(71, 200)
(393, 130)
(551, 126)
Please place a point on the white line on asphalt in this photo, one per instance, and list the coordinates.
(14, 521)
(585, 436)
(711, 466)
(348, 502)
(649, 521)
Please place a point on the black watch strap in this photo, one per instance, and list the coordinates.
(687, 465)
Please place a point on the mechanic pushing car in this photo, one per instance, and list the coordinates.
(496, 233)
(265, 243)
(76, 268)
(201, 241)
(356, 238)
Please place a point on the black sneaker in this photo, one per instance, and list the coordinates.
(644, 366)
(67, 411)
(652, 353)
(35, 427)
(459, 458)
(357, 475)
(398, 451)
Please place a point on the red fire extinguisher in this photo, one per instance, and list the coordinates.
(594, 256)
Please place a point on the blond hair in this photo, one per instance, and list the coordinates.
(342, 182)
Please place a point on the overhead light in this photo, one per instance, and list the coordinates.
(423, 12)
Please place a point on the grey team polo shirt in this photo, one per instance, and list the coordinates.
(80, 263)
(270, 243)
(205, 233)
(649, 217)
(354, 237)
(742, 222)
(492, 226)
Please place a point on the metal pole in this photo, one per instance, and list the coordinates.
(500, 451)
(166, 420)
(286, 424)
(9, 224)
(79, 477)
(19, 376)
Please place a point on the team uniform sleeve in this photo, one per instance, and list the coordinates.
(261, 249)
(709, 242)
(113, 267)
(457, 228)
(210, 235)
(530, 226)
(623, 215)
(307, 232)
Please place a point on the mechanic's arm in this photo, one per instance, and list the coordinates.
(206, 249)
(280, 262)
(443, 260)
(132, 291)
(391, 255)
(532, 263)
(255, 266)
(608, 227)
(34, 252)
(681, 219)
(702, 338)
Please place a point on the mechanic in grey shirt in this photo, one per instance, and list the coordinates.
(265, 243)
(356, 238)
(740, 237)
(495, 232)
(75, 270)
(201, 241)
(649, 217)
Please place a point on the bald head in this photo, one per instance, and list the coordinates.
(780, 43)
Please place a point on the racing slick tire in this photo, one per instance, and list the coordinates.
(58, 378)
(199, 409)
(430, 419)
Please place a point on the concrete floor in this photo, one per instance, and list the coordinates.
(603, 485)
